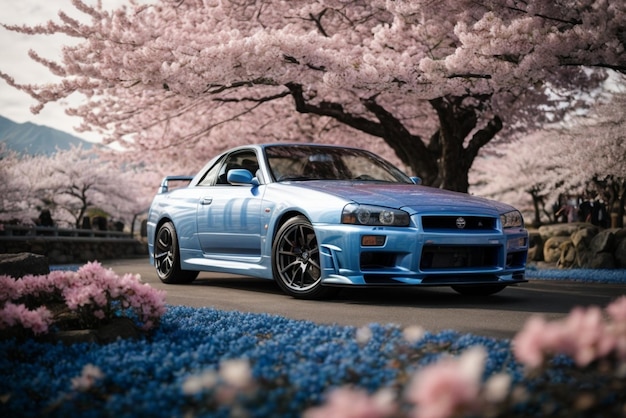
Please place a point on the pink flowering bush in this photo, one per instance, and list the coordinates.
(85, 299)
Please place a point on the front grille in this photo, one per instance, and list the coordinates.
(442, 257)
(459, 223)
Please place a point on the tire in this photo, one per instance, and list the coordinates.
(167, 257)
(296, 260)
(479, 290)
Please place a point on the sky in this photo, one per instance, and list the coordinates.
(14, 104)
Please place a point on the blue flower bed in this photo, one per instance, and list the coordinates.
(578, 275)
(65, 267)
(293, 364)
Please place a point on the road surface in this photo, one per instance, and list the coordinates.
(435, 309)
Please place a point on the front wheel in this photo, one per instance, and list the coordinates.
(167, 257)
(296, 260)
(479, 290)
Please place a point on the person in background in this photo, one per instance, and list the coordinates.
(569, 211)
(45, 218)
(593, 211)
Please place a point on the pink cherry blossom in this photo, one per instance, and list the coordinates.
(441, 389)
(8, 288)
(70, 183)
(37, 320)
(515, 173)
(617, 310)
(528, 343)
(88, 377)
(194, 77)
(92, 291)
(584, 334)
(497, 387)
(617, 326)
(355, 403)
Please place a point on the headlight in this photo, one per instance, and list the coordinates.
(374, 215)
(512, 219)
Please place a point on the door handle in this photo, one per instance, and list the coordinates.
(206, 200)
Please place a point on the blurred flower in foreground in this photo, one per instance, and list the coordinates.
(585, 335)
(363, 335)
(355, 403)
(452, 384)
(413, 333)
(236, 373)
(87, 378)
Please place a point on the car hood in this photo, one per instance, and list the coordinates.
(411, 197)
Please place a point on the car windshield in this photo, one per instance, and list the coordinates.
(310, 162)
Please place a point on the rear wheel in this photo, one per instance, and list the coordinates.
(167, 257)
(296, 260)
(479, 290)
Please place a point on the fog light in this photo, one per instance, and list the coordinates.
(373, 240)
(516, 243)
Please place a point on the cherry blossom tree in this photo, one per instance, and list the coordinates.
(597, 154)
(522, 172)
(586, 153)
(79, 180)
(69, 183)
(436, 82)
(23, 198)
(18, 200)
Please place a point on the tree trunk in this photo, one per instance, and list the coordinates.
(614, 191)
(456, 123)
(621, 204)
(445, 162)
(411, 149)
(537, 202)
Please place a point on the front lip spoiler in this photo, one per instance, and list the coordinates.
(391, 281)
(405, 286)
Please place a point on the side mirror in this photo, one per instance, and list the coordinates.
(416, 180)
(241, 177)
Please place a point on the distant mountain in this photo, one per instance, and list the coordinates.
(28, 138)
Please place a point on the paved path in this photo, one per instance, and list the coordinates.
(435, 309)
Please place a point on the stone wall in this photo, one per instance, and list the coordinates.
(578, 245)
(70, 250)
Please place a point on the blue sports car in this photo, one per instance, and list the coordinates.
(317, 217)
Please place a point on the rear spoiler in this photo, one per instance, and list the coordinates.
(165, 183)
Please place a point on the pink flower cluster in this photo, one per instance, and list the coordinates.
(353, 403)
(37, 320)
(586, 335)
(451, 384)
(93, 291)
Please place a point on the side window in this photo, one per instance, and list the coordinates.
(240, 159)
(210, 176)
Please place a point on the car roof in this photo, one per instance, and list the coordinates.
(262, 146)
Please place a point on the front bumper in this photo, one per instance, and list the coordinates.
(360, 255)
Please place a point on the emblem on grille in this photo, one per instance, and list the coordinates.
(460, 222)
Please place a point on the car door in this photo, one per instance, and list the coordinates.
(229, 216)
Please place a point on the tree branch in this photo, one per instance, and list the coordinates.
(334, 111)
(483, 136)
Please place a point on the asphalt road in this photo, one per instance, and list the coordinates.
(435, 309)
